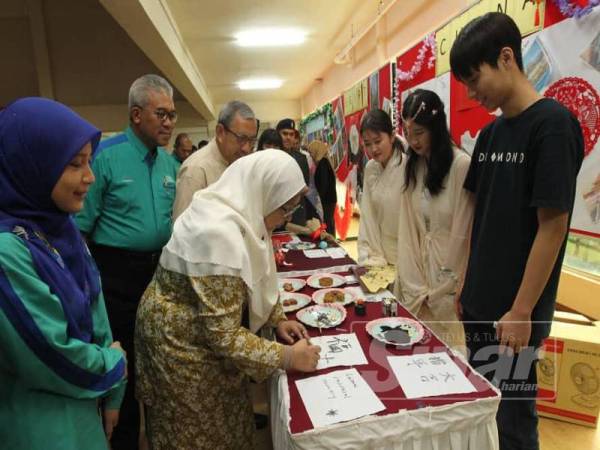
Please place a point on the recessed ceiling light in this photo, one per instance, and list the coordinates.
(270, 37)
(259, 83)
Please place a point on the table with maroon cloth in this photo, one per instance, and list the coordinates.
(459, 421)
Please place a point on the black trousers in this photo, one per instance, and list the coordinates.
(328, 209)
(125, 275)
(516, 378)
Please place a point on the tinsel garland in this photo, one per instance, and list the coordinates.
(327, 111)
(428, 44)
(568, 9)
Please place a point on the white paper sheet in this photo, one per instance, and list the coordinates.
(336, 252)
(429, 375)
(316, 253)
(337, 397)
(339, 350)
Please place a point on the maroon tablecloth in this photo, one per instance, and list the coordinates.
(298, 262)
(377, 373)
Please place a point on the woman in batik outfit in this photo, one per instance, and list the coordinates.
(215, 287)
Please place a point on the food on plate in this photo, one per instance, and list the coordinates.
(334, 296)
(325, 281)
(290, 302)
(288, 287)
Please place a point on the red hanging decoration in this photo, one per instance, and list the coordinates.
(342, 223)
(537, 13)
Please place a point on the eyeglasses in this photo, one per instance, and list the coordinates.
(241, 139)
(162, 115)
(290, 212)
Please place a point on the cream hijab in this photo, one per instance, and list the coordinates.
(223, 231)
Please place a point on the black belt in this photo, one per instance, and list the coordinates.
(147, 257)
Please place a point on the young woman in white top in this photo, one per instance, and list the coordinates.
(382, 189)
(434, 217)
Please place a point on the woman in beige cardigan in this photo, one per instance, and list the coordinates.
(382, 189)
(434, 218)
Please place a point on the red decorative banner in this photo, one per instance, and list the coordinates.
(465, 114)
(385, 87)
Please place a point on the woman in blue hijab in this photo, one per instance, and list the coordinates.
(58, 363)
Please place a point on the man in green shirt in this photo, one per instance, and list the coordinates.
(127, 219)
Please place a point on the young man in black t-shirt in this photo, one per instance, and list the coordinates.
(523, 174)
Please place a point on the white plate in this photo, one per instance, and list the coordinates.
(379, 329)
(322, 316)
(336, 280)
(301, 301)
(300, 245)
(292, 284)
(319, 296)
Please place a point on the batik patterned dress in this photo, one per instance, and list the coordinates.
(194, 361)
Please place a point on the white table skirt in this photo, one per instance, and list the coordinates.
(460, 426)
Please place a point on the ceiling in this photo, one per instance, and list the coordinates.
(208, 31)
(86, 53)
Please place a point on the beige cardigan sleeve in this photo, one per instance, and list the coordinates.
(462, 215)
(369, 248)
(461, 218)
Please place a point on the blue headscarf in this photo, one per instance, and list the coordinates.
(38, 139)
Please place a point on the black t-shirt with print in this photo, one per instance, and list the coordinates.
(519, 164)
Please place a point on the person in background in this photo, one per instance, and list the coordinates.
(382, 189)
(305, 220)
(434, 218)
(236, 132)
(523, 175)
(202, 143)
(58, 362)
(287, 130)
(196, 330)
(324, 177)
(269, 138)
(126, 219)
(183, 148)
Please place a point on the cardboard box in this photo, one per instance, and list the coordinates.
(569, 371)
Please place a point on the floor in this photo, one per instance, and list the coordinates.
(554, 434)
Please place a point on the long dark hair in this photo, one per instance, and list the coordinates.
(379, 121)
(425, 108)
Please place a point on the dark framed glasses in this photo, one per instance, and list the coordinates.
(243, 139)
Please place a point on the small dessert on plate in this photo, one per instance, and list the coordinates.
(334, 297)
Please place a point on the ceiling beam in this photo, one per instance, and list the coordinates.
(40, 48)
(152, 27)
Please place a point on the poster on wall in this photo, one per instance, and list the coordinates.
(355, 150)
(374, 90)
(385, 89)
(338, 151)
(563, 61)
(439, 85)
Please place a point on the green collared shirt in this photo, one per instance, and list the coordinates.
(176, 159)
(130, 204)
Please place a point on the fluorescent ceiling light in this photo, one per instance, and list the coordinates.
(270, 37)
(259, 83)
